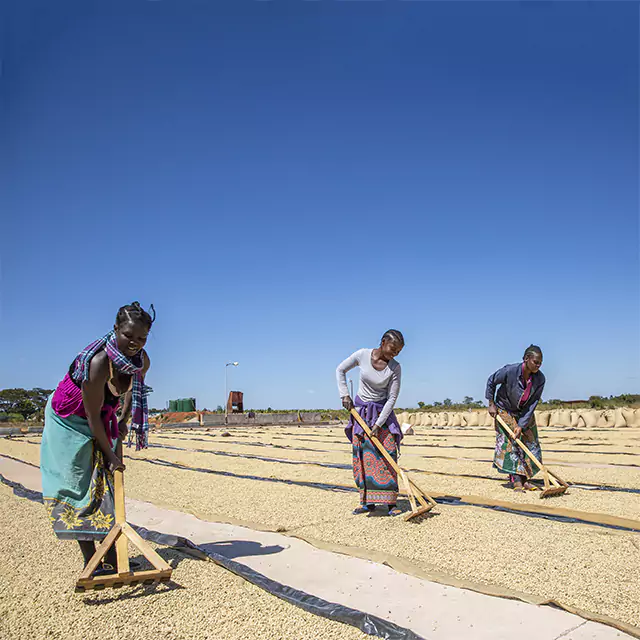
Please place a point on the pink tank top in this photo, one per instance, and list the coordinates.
(67, 401)
(527, 390)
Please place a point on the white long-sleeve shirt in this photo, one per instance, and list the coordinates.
(375, 386)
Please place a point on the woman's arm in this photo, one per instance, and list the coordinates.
(499, 377)
(341, 375)
(394, 391)
(93, 400)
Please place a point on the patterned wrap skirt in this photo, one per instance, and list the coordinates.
(509, 457)
(374, 476)
(77, 487)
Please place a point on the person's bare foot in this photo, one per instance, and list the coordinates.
(517, 486)
(530, 487)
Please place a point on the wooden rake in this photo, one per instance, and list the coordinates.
(122, 533)
(414, 492)
(554, 485)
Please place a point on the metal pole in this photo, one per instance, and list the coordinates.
(226, 392)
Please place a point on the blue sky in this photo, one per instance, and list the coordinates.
(286, 180)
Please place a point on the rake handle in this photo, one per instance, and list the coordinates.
(517, 440)
(526, 450)
(422, 497)
(376, 442)
(122, 552)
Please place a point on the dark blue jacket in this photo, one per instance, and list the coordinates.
(511, 388)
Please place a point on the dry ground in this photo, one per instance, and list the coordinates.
(584, 566)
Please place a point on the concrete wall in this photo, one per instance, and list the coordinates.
(236, 419)
(19, 431)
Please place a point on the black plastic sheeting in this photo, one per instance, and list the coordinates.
(603, 487)
(252, 456)
(408, 446)
(453, 500)
(30, 464)
(337, 465)
(366, 622)
(248, 443)
(22, 491)
(229, 474)
(547, 449)
(448, 500)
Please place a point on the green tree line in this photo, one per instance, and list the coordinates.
(594, 402)
(28, 404)
(23, 404)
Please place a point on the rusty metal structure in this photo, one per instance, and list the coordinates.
(234, 402)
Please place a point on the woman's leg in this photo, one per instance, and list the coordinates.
(111, 557)
(358, 476)
(88, 548)
(517, 481)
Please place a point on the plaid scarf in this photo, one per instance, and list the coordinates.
(129, 366)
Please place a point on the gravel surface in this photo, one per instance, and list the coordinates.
(205, 602)
(584, 566)
(621, 504)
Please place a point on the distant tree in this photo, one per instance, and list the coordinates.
(421, 405)
(219, 409)
(437, 404)
(468, 400)
(447, 402)
(27, 402)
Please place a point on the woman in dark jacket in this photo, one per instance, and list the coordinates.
(519, 391)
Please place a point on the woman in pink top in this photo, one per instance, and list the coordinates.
(83, 433)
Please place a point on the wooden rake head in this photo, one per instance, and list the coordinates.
(120, 535)
(552, 491)
(419, 511)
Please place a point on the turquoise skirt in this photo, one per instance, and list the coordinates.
(77, 487)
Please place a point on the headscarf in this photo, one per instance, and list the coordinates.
(128, 366)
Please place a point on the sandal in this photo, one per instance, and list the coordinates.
(365, 508)
(106, 569)
(383, 513)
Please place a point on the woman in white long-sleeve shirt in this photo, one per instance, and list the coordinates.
(377, 394)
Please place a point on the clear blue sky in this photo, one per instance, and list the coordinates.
(286, 180)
